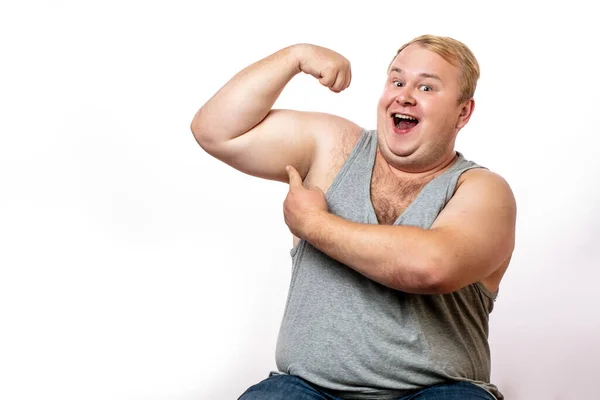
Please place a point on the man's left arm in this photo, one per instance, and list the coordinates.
(472, 236)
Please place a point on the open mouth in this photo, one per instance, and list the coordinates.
(404, 122)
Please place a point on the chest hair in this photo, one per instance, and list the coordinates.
(391, 196)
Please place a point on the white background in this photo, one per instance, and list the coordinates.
(136, 266)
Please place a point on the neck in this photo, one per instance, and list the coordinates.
(407, 175)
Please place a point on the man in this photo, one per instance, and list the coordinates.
(400, 243)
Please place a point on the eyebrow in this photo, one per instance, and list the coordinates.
(422, 75)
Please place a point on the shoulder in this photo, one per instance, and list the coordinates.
(327, 121)
(335, 129)
(335, 136)
(479, 222)
(483, 176)
(485, 186)
(330, 132)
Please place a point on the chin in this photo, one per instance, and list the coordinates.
(404, 154)
(400, 146)
(397, 151)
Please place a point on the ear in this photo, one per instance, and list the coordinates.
(466, 111)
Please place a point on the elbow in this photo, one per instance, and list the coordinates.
(439, 285)
(439, 277)
(433, 281)
(431, 276)
(200, 132)
(197, 128)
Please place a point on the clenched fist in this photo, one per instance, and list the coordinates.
(330, 68)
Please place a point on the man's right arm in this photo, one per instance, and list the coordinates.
(239, 127)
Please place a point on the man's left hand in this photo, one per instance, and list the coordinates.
(302, 206)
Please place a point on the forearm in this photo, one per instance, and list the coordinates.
(400, 257)
(247, 98)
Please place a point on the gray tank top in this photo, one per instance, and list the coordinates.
(358, 339)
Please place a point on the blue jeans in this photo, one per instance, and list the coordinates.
(289, 387)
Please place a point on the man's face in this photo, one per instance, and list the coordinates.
(418, 115)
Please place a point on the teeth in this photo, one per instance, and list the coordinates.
(402, 116)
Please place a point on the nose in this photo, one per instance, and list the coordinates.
(405, 97)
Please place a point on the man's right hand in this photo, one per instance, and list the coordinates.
(330, 68)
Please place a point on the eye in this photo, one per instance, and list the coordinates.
(398, 84)
(425, 88)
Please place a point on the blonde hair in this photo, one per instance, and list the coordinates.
(457, 54)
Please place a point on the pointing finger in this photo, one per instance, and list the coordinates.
(294, 177)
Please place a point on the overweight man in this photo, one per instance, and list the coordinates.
(400, 241)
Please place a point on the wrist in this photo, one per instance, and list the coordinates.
(313, 223)
(298, 54)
